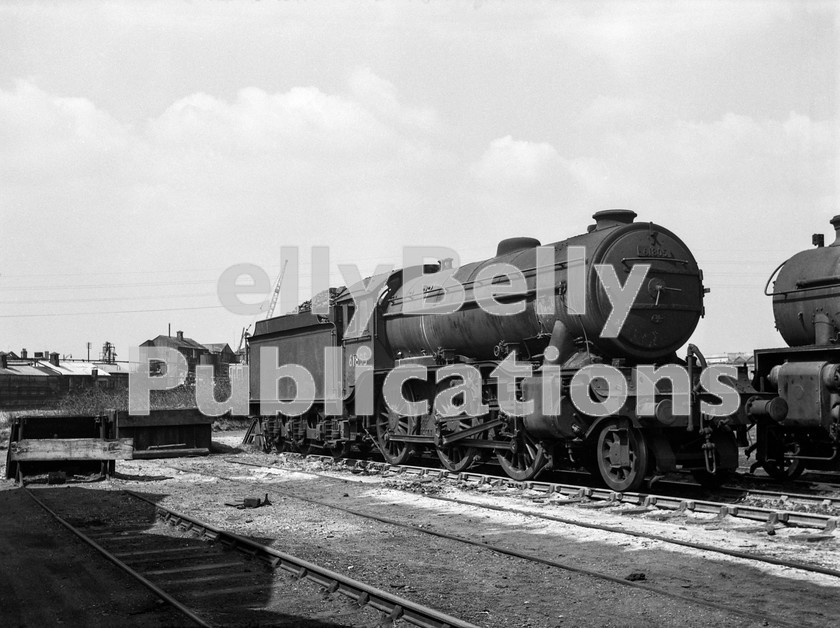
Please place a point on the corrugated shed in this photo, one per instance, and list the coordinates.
(117, 368)
(29, 369)
(77, 369)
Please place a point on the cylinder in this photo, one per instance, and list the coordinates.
(775, 408)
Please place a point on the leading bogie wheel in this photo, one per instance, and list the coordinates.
(786, 469)
(621, 455)
(781, 448)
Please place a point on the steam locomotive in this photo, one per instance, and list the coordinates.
(623, 447)
(559, 338)
(804, 428)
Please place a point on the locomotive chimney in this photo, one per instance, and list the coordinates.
(613, 218)
(835, 222)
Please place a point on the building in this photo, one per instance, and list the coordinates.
(222, 356)
(217, 355)
(26, 383)
(743, 361)
(33, 382)
(189, 348)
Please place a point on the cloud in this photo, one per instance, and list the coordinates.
(301, 122)
(735, 158)
(381, 97)
(640, 151)
(631, 34)
(514, 161)
(45, 134)
(613, 112)
(257, 144)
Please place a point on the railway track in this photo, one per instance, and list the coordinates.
(824, 501)
(823, 495)
(734, 609)
(209, 572)
(606, 528)
(671, 503)
(741, 484)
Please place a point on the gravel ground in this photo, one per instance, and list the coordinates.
(479, 585)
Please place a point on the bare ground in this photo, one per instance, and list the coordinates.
(479, 585)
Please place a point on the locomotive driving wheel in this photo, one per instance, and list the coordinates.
(455, 457)
(621, 455)
(526, 457)
(390, 424)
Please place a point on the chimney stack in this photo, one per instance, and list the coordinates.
(613, 217)
(54, 358)
(180, 335)
(23, 354)
(835, 222)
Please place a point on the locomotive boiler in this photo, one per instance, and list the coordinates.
(804, 429)
(557, 334)
(661, 320)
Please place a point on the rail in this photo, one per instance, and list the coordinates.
(395, 607)
(665, 502)
(574, 568)
(131, 572)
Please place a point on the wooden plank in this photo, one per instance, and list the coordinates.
(147, 454)
(72, 449)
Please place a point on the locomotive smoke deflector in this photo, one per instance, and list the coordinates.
(509, 245)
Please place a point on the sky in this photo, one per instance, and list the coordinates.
(146, 147)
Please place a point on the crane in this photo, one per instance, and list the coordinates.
(276, 295)
(242, 338)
